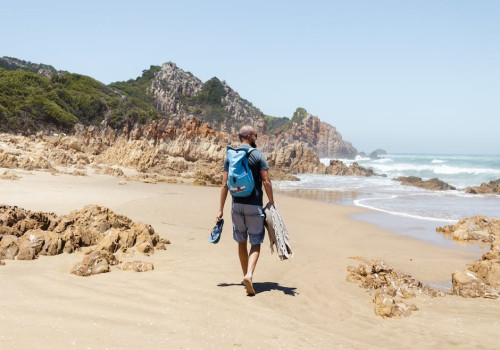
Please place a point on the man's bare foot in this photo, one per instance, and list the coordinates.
(249, 285)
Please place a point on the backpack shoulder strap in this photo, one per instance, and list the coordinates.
(247, 150)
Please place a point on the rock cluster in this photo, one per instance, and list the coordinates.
(321, 137)
(482, 277)
(295, 158)
(24, 235)
(477, 228)
(432, 184)
(171, 149)
(298, 159)
(18, 160)
(391, 287)
(492, 187)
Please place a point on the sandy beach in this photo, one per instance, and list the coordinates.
(193, 299)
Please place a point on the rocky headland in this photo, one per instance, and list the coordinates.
(167, 124)
(169, 150)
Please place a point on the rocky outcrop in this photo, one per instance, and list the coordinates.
(432, 184)
(298, 159)
(475, 228)
(24, 235)
(174, 94)
(492, 187)
(171, 87)
(316, 135)
(295, 159)
(482, 277)
(391, 287)
(337, 167)
(16, 160)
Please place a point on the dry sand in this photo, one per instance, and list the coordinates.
(194, 300)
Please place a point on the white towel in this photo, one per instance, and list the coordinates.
(278, 234)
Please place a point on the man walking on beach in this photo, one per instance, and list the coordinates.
(246, 212)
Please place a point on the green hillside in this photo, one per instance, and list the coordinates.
(29, 101)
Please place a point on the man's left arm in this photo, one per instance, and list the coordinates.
(266, 181)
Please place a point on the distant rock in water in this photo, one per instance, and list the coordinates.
(492, 187)
(432, 184)
(374, 154)
(337, 167)
(380, 152)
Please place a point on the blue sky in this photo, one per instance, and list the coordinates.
(407, 76)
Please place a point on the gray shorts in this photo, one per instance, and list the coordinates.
(248, 221)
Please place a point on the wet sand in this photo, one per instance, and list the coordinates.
(194, 299)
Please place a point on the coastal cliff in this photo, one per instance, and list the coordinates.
(37, 97)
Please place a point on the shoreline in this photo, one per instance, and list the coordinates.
(193, 298)
(416, 228)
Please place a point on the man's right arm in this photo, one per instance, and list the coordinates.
(223, 196)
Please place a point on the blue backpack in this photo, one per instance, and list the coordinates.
(240, 179)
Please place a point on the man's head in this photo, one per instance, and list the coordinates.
(248, 135)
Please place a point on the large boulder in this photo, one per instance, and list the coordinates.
(95, 263)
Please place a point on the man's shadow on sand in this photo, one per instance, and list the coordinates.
(261, 287)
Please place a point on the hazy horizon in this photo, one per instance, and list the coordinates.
(406, 77)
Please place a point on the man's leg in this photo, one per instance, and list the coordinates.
(243, 254)
(253, 257)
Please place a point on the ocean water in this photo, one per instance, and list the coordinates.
(387, 196)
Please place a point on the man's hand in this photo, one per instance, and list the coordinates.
(219, 216)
